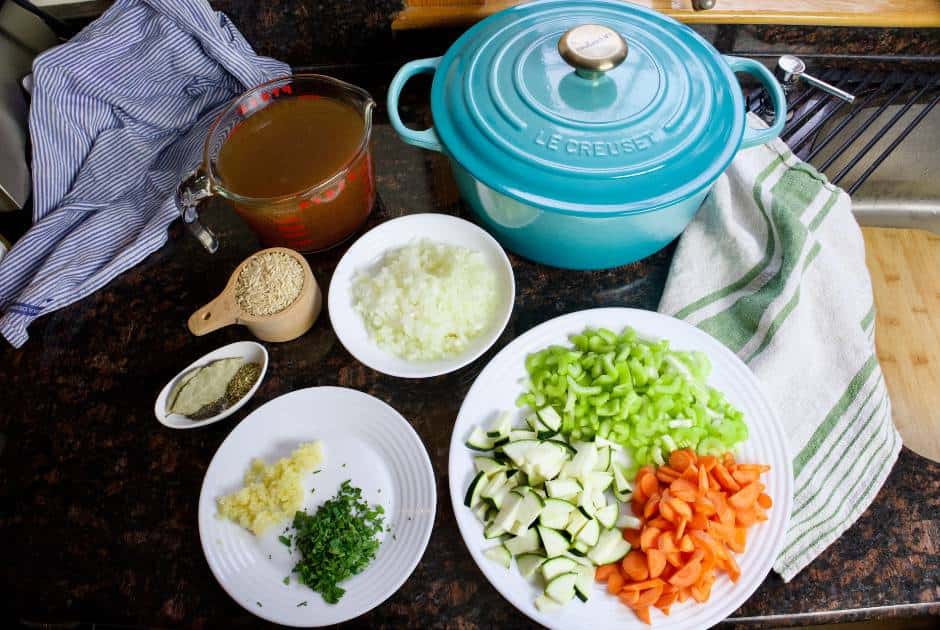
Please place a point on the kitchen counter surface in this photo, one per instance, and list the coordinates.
(98, 500)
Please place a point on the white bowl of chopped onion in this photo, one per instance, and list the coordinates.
(421, 295)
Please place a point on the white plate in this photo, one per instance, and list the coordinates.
(370, 248)
(496, 389)
(365, 441)
(250, 351)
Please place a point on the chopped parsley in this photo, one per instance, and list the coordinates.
(336, 542)
(285, 540)
(287, 580)
(303, 603)
(259, 605)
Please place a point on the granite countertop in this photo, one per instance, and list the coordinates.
(98, 500)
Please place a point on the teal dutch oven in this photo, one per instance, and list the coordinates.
(585, 134)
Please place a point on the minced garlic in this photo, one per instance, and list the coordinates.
(271, 493)
(268, 283)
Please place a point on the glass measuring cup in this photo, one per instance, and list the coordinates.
(311, 219)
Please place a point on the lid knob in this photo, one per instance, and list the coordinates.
(592, 49)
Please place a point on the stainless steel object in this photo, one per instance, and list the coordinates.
(703, 5)
(791, 69)
(592, 49)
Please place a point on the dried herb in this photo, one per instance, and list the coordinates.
(337, 542)
(242, 382)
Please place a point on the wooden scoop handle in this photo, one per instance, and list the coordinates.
(218, 313)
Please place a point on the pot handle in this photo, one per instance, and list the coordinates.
(753, 137)
(426, 139)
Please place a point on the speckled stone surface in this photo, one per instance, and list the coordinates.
(98, 500)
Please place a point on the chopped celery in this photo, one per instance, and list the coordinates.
(635, 392)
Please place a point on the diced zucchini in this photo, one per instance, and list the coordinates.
(563, 488)
(482, 512)
(516, 451)
(546, 435)
(613, 446)
(488, 465)
(517, 529)
(478, 440)
(561, 588)
(582, 586)
(601, 480)
(610, 547)
(570, 450)
(474, 492)
(576, 521)
(586, 502)
(495, 483)
(530, 508)
(556, 566)
(532, 420)
(555, 513)
(492, 531)
(527, 542)
(607, 516)
(598, 499)
(583, 462)
(546, 604)
(507, 512)
(529, 563)
(603, 459)
(554, 542)
(500, 495)
(517, 435)
(500, 555)
(501, 427)
(626, 521)
(589, 533)
(550, 418)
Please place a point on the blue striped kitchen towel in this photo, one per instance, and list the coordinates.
(119, 114)
(773, 266)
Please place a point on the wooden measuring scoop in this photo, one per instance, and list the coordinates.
(285, 325)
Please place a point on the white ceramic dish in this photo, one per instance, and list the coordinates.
(365, 441)
(251, 351)
(370, 248)
(495, 390)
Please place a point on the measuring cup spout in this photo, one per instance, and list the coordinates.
(192, 190)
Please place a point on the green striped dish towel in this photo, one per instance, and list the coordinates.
(773, 266)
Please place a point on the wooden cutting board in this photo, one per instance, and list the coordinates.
(904, 13)
(905, 275)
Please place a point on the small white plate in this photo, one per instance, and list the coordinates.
(370, 248)
(364, 440)
(250, 351)
(495, 390)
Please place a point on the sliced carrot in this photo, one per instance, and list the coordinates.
(703, 480)
(667, 511)
(734, 572)
(643, 612)
(674, 558)
(765, 501)
(699, 521)
(704, 505)
(761, 514)
(648, 484)
(667, 542)
(758, 468)
(684, 490)
(722, 532)
(603, 572)
(666, 599)
(739, 542)
(615, 582)
(746, 497)
(681, 508)
(707, 462)
(632, 536)
(680, 528)
(745, 518)
(635, 566)
(685, 544)
(651, 508)
(682, 595)
(656, 561)
(642, 586)
(629, 597)
(648, 537)
(666, 474)
(687, 575)
(650, 596)
(681, 459)
(637, 503)
(744, 477)
(724, 478)
(659, 523)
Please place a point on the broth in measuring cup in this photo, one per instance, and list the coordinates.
(287, 148)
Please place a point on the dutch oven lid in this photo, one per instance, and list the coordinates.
(593, 107)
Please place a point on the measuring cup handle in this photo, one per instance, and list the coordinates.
(218, 313)
(426, 139)
(753, 137)
(189, 194)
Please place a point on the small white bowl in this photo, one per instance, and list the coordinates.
(369, 249)
(250, 351)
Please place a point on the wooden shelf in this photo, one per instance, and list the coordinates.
(880, 13)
